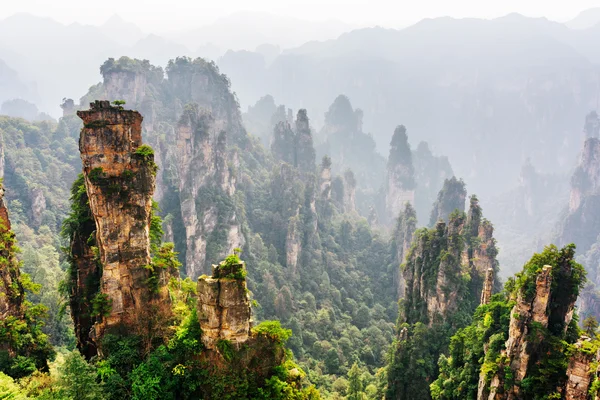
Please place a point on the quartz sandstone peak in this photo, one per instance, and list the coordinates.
(223, 304)
(119, 179)
(11, 291)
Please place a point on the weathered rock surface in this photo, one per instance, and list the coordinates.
(11, 291)
(406, 226)
(223, 306)
(579, 375)
(204, 167)
(432, 291)
(120, 181)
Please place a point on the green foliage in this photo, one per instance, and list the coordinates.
(273, 330)
(101, 305)
(79, 380)
(226, 349)
(548, 347)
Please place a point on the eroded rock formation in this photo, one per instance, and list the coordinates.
(406, 225)
(11, 290)
(223, 305)
(432, 292)
(205, 170)
(119, 175)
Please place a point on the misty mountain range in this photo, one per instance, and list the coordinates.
(492, 86)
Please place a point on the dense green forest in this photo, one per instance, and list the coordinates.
(351, 296)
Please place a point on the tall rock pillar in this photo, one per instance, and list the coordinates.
(119, 175)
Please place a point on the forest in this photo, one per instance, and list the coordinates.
(159, 242)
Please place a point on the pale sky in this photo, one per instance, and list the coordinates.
(162, 15)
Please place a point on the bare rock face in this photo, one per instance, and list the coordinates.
(579, 375)
(11, 291)
(38, 205)
(224, 307)
(325, 180)
(204, 166)
(119, 180)
(406, 226)
(488, 286)
(547, 308)
(349, 192)
(432, 291)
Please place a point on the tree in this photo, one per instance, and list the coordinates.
(78, 379)
(590, 326)
(354, 383)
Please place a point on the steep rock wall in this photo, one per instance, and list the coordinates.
(205, 175)
(119, 179)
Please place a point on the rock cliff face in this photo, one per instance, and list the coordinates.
(294, 146)
(205, 170)
(579, 373)
(451, 197)
(223, 305)
(467, 245)
(544, 308)
(11, 290)
(342, 138)
(406, 225)
(349, 192)
(400, 174)
(119, 175)
(85, 271)
(581, 223)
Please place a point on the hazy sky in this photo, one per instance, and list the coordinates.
(160, 15)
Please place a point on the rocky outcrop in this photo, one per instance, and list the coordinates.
(451, 197)
(206, 189)
(38, 205)
(432, 292)
(579, 372)
(342, 138)
(325, 179)
(406, 225)
(11, 290)
(224, 306)
(545, 301)
(400, 174)
(85, 270)
(488, 287)
(119, 175)
(294, 147)
(349, 203)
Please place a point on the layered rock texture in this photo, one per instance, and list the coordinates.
(537, 335)
(119, 175)
(400, 174)
(406, 225)
(464, 245)
(448, 271)
(294, 146)
(11, 290)
(206, 170)
(224, 306)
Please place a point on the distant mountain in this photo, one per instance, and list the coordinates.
(11, 86)
(122, 31)
(585, 19)
(246, 30)
(506, 89)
